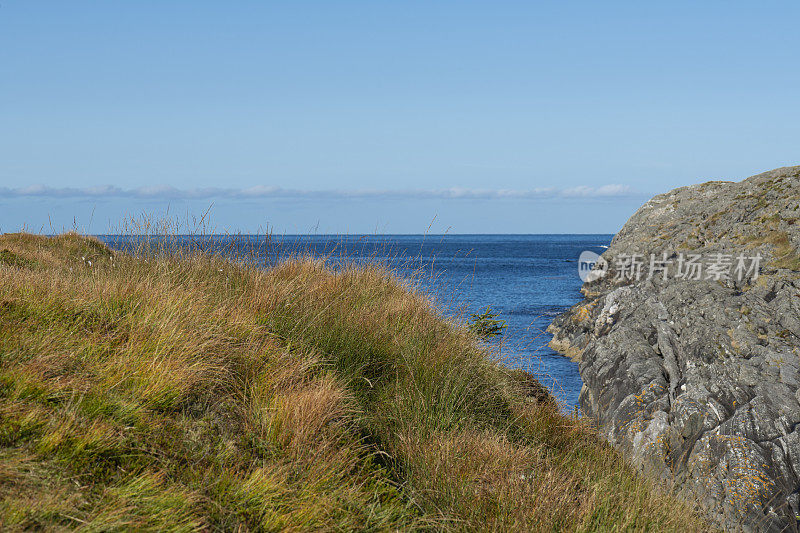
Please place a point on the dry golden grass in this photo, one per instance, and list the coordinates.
(785, 255)
(176, 390)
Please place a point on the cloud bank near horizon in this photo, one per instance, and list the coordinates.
(165, 192)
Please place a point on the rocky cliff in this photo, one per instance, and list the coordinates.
(689, 346)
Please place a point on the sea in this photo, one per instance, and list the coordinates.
(526, 279)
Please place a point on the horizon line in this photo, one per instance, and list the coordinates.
(165, 192)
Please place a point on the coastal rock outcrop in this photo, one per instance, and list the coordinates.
(688, 339)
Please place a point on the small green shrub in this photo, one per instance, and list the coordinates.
(486, 325)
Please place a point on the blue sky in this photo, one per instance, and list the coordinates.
(395, 117)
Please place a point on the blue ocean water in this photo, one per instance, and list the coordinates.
(528, 279)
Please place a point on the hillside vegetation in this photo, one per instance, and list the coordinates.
(182, 391)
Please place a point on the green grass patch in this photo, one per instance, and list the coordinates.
(179, 391)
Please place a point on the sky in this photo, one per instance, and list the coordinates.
(385, 117)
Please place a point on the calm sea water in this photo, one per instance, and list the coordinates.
(528, 279)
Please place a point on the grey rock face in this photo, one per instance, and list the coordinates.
(696, 380)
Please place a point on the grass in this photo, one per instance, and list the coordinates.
(179, 391)
(785, 255)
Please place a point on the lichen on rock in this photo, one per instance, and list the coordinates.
(696, 380)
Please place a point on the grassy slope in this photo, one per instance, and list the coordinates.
(190, 393)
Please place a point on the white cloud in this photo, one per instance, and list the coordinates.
(165, 192)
